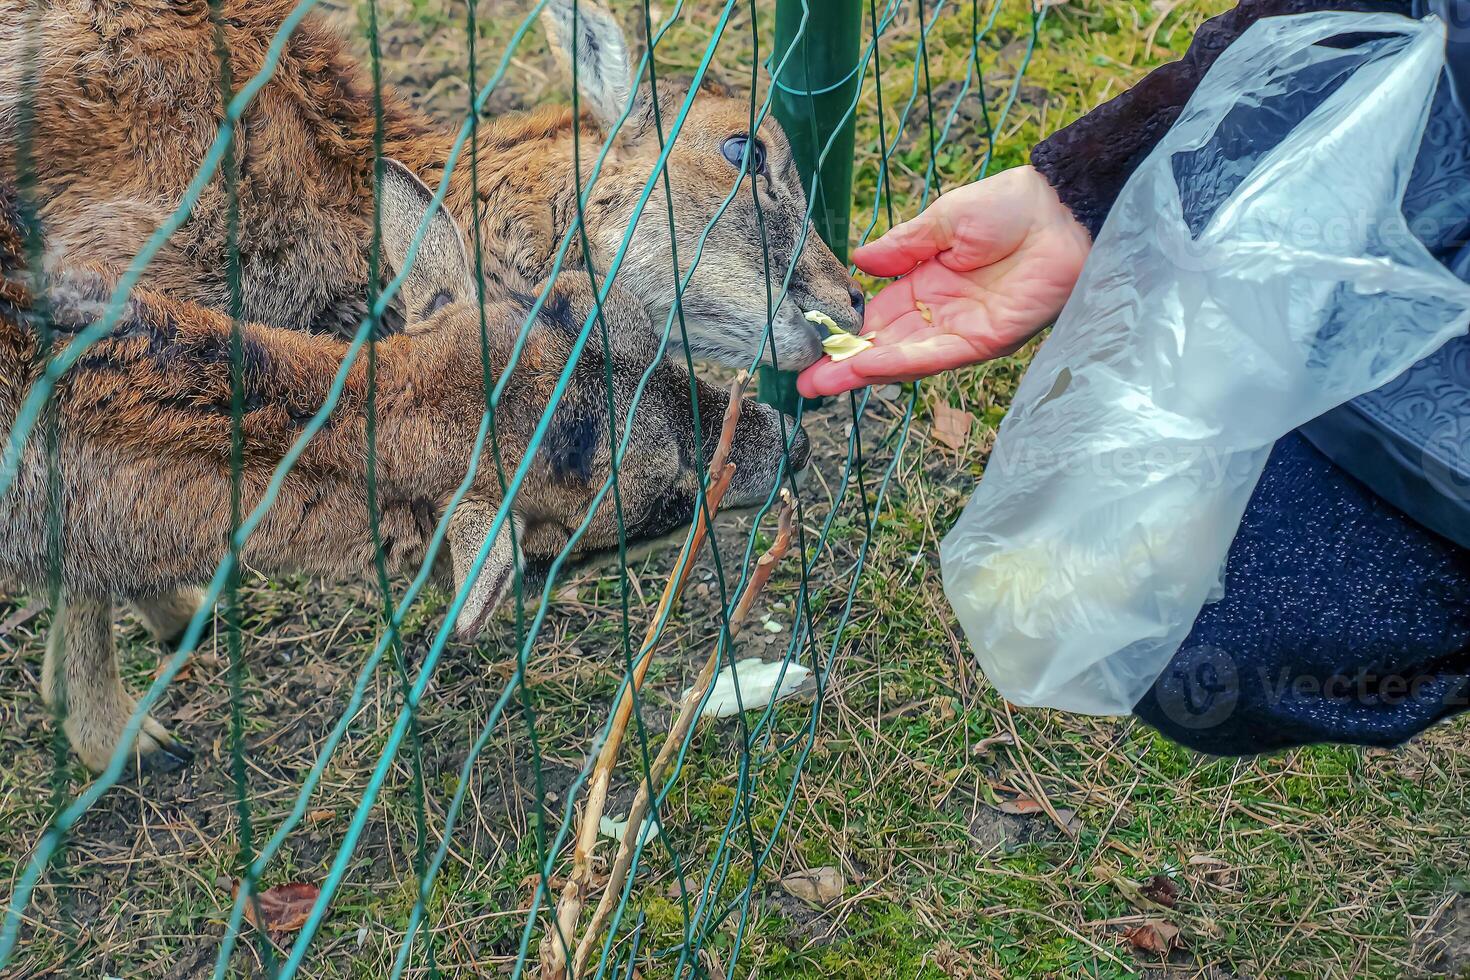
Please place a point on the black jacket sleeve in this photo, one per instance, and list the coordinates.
(1089, 161)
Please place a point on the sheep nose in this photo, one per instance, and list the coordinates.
(859, 302)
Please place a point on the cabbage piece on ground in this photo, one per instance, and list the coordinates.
(760, 684)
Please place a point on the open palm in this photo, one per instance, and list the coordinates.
(984, 268)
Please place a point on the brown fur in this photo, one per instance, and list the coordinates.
(143, 422)
(128, 101)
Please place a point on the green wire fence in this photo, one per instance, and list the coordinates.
(825, 71)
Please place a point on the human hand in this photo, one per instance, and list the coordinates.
(984, 268)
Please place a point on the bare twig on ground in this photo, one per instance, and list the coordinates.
(688, 712)
(555, 945)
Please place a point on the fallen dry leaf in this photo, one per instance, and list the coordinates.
(285, 908)
(1026, 806)
(1151, 896)
(1213, 870)
(1021, 804)
(1070, 822)
(185, 672)
(207, 661)
(985, 745)
(680, 887)
(956, 963)
(952, 426)
(818, 886)
(1154, 936)
(1162, 890)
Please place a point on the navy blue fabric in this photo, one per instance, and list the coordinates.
(1409, 441)
(1456, 15)
(1342, 621)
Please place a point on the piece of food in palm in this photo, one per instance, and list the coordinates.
(838, 344)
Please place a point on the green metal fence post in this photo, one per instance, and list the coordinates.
(814, 94)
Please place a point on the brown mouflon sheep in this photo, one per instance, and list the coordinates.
(128, 100)
(144, 427)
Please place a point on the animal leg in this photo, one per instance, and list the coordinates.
(80, 679)
(167, 615)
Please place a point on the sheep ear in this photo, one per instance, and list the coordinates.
(441, 270)
(468, 529)
(586, 35)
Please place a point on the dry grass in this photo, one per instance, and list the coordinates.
(1325, 862)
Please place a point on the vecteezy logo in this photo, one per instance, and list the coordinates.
(1200, 688)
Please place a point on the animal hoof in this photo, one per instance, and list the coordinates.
(165, 759)
(160, 751)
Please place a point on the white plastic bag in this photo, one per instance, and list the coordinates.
(1255, 272)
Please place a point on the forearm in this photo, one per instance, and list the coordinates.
(1089, 161)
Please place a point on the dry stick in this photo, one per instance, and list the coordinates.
(688, 712)
(554, 948)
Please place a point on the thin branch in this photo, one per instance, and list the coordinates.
(688, 713)
(554, 948)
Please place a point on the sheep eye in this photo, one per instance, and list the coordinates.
(733, 150)
(441, 299)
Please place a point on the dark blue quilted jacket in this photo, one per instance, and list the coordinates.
(1410, 440)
